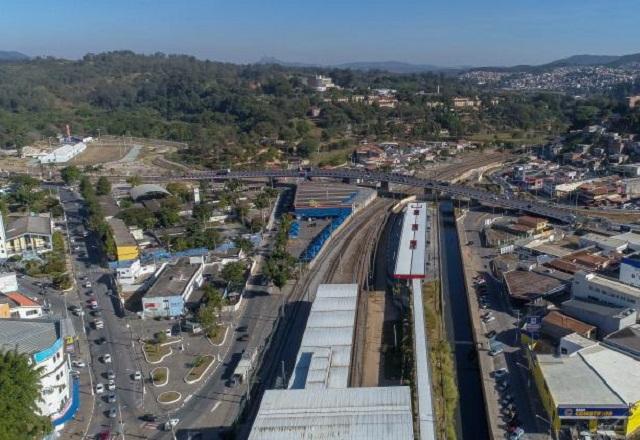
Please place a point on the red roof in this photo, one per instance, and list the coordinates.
(21, 300)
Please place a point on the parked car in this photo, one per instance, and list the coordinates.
(112, 398)
(517, 434)
(171, 423)
(111, 375)
(113, 413)
(489, 319)
(106, 358)
(98, 323)
(78, 363)
(137, 375)
(500, 373)
(496, 351)
(111, 385)
(87, 285)
(491, 334)
(150, 418)
(99, 388)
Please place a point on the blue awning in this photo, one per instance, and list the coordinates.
(73, 408)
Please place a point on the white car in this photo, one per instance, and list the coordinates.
(171, 423)
(488, 319)
(98, 323)
(111, 385)
(87, 284)
(106, 358)
(99, 388)
(500, 373)
(78, 364)
(137, 375)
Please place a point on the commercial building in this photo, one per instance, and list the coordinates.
(171, 288)
(42, 341)
(529, 286)
(63, 154)
(606, 318)
(410, 259)
(8, 282)
(596, 287)
(320, 200)
(126, 245)
(602, 242)
(557, 325)
(626, 340)
(630, 270)
(26, 236)
(593, 389)
(320, 83)
(318, 402)
(632, 239)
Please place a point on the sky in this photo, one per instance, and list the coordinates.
(440, 32)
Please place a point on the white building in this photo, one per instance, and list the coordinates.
(63, 154)
(630, 270)
(17, 305)
(8, 282)
(602, 242)
(605, 290)
(42, 341)
(129, 271)
(320, 83)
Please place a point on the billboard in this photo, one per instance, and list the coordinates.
(592, 412)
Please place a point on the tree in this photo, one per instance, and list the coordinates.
(134, 180)
(20, 383)
(57, 241)
(261, 202)
(62, 281)
(233, 272)
(70, 174)
(103, 187)
(179, 190)
(202, 212)
(244, 244)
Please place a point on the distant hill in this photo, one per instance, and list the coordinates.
(386, 66)
(584, 60)
(7, 55)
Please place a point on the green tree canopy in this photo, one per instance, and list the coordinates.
(233, 272)
(103, 187)
(70, 174)
(20, 384)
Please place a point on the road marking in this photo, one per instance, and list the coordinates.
(215, 407)
(188, 398)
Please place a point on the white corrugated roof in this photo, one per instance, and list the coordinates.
(410, 260)
(350, 413)
(619, 371)
(325, 351)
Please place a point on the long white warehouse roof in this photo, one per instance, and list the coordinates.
(335, 414)
(412, 246)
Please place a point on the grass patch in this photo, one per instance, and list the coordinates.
(445, 390)
(200, 365)
(169, 397)
(155, 352)
(217, 333)
(160, 376)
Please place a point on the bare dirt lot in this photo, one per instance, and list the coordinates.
(373, 339)
(96, 154)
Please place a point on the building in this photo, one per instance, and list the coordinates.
(535, 223)
(129, 271)
(370, 155)
(594, 389)
(148, 191)
(632, 101)
(557, 325)
(17, 305)
(595, 287)
(626, 340)
(318, 402)
(604, 243)
(26, 236)
(171, 289)
(320, 83)
(529, 286)
(410, 260)
(320, 200)
(42, 341)
(630, 270)
(63, 154)
(466, 103)
(632, 239)
(606, 318)
(8, 282)
(126, 245)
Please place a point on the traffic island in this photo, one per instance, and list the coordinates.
(160, 376)
(201, 365)
(219, 335)
(155, 353)
(169, 397)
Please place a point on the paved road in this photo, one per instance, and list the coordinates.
(115, 334)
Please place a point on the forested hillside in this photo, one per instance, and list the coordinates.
(231, 113)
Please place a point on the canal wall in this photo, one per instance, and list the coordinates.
(479, 339)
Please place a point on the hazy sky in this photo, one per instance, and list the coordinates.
(443, 32)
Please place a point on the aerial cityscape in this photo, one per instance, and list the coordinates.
(338, 221)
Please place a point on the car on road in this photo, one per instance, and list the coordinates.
(150, 418)
(112, 398)
(492, 334)
(171, 423)
(98, 323)
(87, 285)
(101, 340)
(104, 435)
(500, 373)
(99, 388)
(111, 385)
(113, 413)
(137, 375)
(488, 319)
(106, 358)
(96, 312)
(111, 375)
(78, 364)
(517, 434)
(75, 308)
(496, 351)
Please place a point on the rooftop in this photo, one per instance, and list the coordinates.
(20, 300)
(410, 260)
(603, 240)
(29, 336)
(173, 279)
(324, 357)
(558, 325)
(121, 234)
(28, 224)
(600, 309)
(609, 283)
(528, 286)
(147, 190)
(350, 413)
(626, 339)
